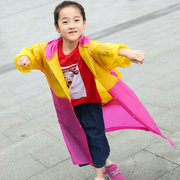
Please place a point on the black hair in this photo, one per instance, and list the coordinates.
(66, 4)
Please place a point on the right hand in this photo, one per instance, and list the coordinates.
(136, 56)
(23, 60)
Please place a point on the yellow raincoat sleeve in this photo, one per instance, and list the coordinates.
(36, 54)
(106, 54)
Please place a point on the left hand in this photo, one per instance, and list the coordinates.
(136, 56)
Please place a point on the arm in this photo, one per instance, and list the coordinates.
(109, 55)
(30, 58)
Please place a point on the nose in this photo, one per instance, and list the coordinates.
(71, 25)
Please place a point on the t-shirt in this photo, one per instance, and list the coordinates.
(79, 79)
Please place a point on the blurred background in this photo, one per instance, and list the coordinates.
(31, 143)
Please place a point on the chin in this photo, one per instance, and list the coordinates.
(74, 38)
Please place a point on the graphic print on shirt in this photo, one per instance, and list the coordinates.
(74, 81)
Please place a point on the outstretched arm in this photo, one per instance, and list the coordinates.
(107, 54)
(30, 58)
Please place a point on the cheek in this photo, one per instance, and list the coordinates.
(63, 29)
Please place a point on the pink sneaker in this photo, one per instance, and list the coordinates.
(113, 173)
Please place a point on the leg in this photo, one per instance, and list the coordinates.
(91, 119)
(99, 173)
(92, 122)
(95, 132)
(108, 163)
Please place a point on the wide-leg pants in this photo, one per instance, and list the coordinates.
(91, 119)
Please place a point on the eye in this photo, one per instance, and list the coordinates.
(77, 20)
(64, 22)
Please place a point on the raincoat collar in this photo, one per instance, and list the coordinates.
(52, 46)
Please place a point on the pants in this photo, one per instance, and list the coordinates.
(91, 119)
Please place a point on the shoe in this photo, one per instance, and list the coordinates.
(113, 173)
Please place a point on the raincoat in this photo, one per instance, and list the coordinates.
(121, 107)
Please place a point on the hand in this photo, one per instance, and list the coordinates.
(23, 60)
(136, 56)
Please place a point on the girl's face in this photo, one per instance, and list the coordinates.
(70, 23)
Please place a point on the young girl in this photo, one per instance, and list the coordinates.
(89, 97)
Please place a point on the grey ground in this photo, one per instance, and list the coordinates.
(31, 143)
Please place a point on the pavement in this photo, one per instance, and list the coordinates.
(31, 142)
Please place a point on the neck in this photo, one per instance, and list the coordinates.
(69, 46)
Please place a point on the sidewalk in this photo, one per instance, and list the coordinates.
(31, 142)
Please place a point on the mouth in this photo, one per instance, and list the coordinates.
(72, 32)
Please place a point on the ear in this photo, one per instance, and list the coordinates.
(57, 29)
(84, 25)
